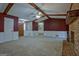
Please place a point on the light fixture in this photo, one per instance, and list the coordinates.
(22, 20)
(37, 16)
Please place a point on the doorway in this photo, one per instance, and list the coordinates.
(72, 37)
(21, 29)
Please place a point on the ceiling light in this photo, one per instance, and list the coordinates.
(37, 16)
(22, 20)
(40, 14)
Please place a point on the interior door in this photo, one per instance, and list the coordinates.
(21, 29)
(72, 36)
(8, 28)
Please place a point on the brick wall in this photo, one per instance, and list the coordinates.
(75, 28)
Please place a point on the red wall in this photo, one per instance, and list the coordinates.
(34, 26)
(9, 16)
(55, 25)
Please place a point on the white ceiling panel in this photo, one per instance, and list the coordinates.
(26, 11)
(3, 6)
(23, 10)
(54, 8)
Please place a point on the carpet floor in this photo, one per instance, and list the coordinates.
(32, 46)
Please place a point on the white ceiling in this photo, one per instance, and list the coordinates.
(54, 8)
(2, 6)
(26, 11)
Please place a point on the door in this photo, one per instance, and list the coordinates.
(72, 36)
(8, 29)
(21, 29)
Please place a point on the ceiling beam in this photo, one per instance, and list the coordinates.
(71, 6)
(57, 14)
(37, 8)
(9, 6)
(62, 14)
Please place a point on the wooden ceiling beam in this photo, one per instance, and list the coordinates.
(54, 15)
(62, 14)
(71, 6)
(57, 14)
(9, 6)
(37, 8)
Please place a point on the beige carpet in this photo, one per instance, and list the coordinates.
(38, 46)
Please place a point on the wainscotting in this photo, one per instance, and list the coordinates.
(56, 34)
